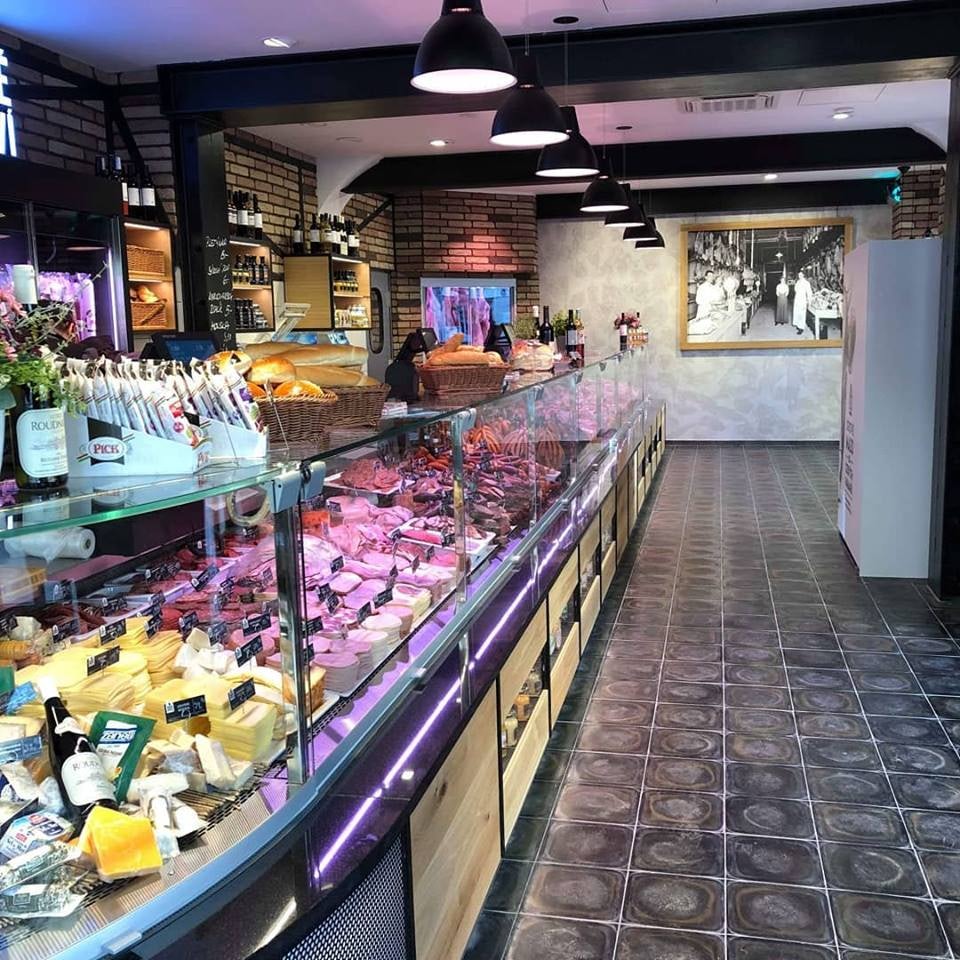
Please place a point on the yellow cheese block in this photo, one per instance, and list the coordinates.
(247, 733)
(123, 846)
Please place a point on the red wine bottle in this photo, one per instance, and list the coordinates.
(76, 764)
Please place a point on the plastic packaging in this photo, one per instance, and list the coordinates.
(76, 543)
(120, 739)
(34, 830)
(39, 860)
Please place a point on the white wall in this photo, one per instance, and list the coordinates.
(717, 395)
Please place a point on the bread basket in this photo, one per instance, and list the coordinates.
(359, 406)
(469, 380)
(297, 419)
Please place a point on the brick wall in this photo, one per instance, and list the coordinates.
(275, 181)
(920, 211)
(376, 238)
(461, 234)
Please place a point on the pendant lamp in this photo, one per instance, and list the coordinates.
(633, 216)
(463, 53)
(604, 195)
(647, 238)
(529, 116)
(573, 157)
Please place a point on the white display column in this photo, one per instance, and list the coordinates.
(892, 298)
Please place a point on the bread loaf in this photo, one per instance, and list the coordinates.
(326, 376)
(272, 370)
(302, 355)
(460, 358)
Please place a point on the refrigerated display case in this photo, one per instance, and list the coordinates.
(467, 305)
(337, 625)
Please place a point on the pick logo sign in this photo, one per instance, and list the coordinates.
(8, 137)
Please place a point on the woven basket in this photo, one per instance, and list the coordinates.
(359, 406)
(148, 314)
(297, 419)
(144, 262)
(467, 380)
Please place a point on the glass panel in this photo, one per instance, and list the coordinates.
(14, 246)
(467, 306)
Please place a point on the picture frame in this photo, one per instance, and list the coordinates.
(742, 306)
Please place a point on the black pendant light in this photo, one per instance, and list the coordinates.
(529, 116)
(574, 157)
(646, 238)
(604, 195)
(633, 216)
(463, 53)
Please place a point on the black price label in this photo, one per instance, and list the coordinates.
(101, 661)
(220, 599)
(249, 650)
(217, 631)
(364, 612)
(240, 694)
(395, 535)
(266, 578)
(202, 579)
(111, 631)
(171, 569)
(333, 506)
(333, 603)
(57, 590)
(7, 622)
(385, 596)
(252, 625)
(156, 603)
(431, 550)
(188, 621)
(324, 591)
(175, 710)
(228, 584)
(394, 573)
(152, 573)
(61, 631)
(199, 547)
(154, 624)
(247, 597)
(110, 605)
(271, 606)
(415, 564)
(314, 625)
(336, 564)
(447, 540)
(250, 533)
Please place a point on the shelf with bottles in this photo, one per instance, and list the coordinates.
(326, 235)
(519, 714)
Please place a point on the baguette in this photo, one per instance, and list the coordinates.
(326, 376)
(461, 358)
(302, 355)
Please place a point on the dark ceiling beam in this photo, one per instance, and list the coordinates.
(846, 150)
(880, 43)
(734, 199)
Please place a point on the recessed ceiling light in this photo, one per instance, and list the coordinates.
(282, 43)
(843, 113)
(624, 126)
(771, 176)
(566, 21)
(440, 143)
(349, 140)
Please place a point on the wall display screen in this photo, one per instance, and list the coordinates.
(750, 285)
(467, 305)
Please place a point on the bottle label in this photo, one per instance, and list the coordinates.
(42, 443)
(242, 217)
(258, 220)
(134, 194)
(331, 236)
(298, 236)
(354, 242)
(314, 235)
(125, 190)
(85, 780)
(148, 196)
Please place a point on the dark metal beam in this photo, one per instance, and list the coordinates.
(82, 90)
(848, 150)
(880, 43)
(383, 206)
(739, 198)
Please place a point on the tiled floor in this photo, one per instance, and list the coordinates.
(758, 757)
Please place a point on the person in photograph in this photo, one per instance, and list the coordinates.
(783, 302)
(802, 293)
(731, 284)
(709, 295)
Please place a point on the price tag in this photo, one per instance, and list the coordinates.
(323, 591)
(57, 590)
(101, 661)
(428, 555)
(252, 625)
(270, 606)
(61, 631)
(250, 533)
(111, 631)
(266, 578)
(188, 621)
(249, 650)
(199, 547)
(415, 564)
(447, 540)
(333, 506)
(110, 605)
(217, 631)
(202, 579)
(228, 584)
(314, 625)
(240, 694)
(395, 535)
(171, 569)
(336, 564)
(152, 573)
(156, 604)
(154, 624)
(247, 598)
(7, 622)
(333, 603)
(364, 612)
(385, 596)
(26, 748)
(175, 710)
(220, 599)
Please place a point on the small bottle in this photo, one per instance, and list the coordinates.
(257, 219)
(623, 332)
(263, 272)
(314, 235)
(120, 177)
(510, 729)
(102, 167)
(133, 195)
(330, 239)
(76, 764)
(353, 239)
(297, 236)
(148, 198)
(570, 336)
(546, 334)
(243, 219)
(232, 213)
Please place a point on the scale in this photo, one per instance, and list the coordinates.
(402, 376)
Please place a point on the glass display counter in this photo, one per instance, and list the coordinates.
(300, 642)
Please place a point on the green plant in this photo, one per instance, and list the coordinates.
(525, 327)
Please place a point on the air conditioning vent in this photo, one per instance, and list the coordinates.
(745, 104)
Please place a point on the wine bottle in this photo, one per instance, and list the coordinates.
(243, 219)
(314, 235)
(297, 236)
(118, 175)
(623, 332)
(133, 194)
(148, 198)
(353, 239)
(257, 219)
(344, 246)
(570, 336)
(101, 168)
(232, 214)
(39, 437)
(546, 328)
(263, 272)
(329, 236)
(76, 764)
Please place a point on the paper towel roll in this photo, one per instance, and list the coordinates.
(25, 283)
(78, 543)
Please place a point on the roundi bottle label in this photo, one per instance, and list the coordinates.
(42, 443)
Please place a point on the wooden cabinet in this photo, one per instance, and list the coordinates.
(153, 304)
(246, 257)
(455, 839)
(589, 611)
(623, 514)
(522, 766)
(524, 658)
(336, 288)
(563, 588)
(588, 545)
(608, 569)
(562, 670)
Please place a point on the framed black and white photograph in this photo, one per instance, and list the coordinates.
(763, 285)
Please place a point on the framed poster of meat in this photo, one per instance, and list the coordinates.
(763, 284)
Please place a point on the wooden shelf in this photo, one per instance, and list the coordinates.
(252, 286)
(351, 296)
(149, 278)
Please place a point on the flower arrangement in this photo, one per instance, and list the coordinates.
(632, 321)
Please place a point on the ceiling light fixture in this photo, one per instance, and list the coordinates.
(566, 20)
(633, 216)
(843, 113)
(281, 43)
(440, 143)
(463, 53)
(529, 117)
(771, 176)
(604, 195)
(652, 238)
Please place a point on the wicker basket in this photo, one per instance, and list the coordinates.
(148, 314)
(469, 380)
(144, 262)
(359, 406)
(297, 419)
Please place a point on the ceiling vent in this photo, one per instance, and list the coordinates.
(746, 104)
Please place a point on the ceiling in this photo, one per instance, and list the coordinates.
(120, 35)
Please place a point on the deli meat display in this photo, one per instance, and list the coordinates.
(268, 666)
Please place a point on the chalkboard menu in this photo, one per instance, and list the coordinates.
(219, 290)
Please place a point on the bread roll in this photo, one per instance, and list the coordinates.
(299, 388)
(272, 370)
(303, 356)
(325, 376)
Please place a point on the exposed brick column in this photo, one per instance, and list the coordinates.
(920, 211)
